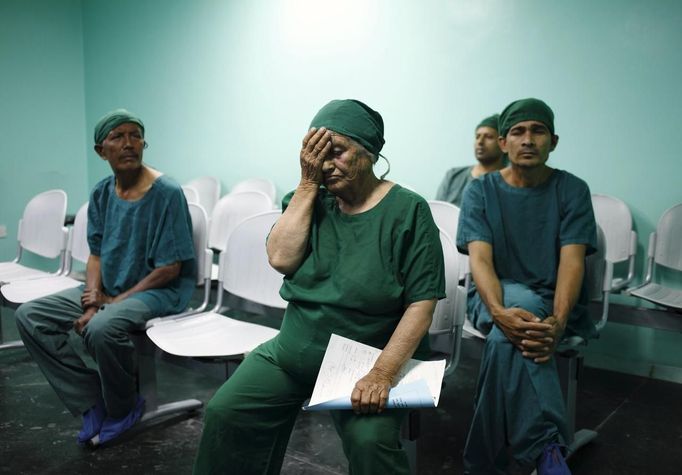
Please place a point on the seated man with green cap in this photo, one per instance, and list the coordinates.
(361, 258)
(527, 230)
(141, 266)
(490, 158)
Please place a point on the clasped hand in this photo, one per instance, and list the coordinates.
(91, 301)
(535, 338)
(94, 298)
(316, 146)
(371, 392)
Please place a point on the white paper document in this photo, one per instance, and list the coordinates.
(346, 361)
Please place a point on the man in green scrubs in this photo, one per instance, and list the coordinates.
(141, 266)
(361, 258)
(527, 230)
(490, 158)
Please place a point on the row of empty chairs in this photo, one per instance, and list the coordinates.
(40, 231)
(664, 250)
(206, 190)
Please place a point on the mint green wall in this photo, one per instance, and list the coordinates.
(228, 88)
(43, 107)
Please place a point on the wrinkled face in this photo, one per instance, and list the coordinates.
(528, 144)
(345, 162)
(122, 147)
(486, 145)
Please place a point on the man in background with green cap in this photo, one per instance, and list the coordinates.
(490, 158)
(527, 230)
(141, 266)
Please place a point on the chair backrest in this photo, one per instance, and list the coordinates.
(191, 194)
(41, 228)
(79, 248)
(231, 210)
(669, 238)
(446, 216)
(204, 256)
(614, 217)
(595, 267)
(447, 314)
(257, 184)
(245, 270)
(208, 188)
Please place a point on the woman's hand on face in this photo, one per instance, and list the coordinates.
(371, 393)
(316, 146)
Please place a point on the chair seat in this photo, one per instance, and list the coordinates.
(618, 283)
(471, 332)
(209, 335)
(660, 295)
(571, 343)
(25, 290)
(11, 271)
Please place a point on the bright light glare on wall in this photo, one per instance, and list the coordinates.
(327, 25)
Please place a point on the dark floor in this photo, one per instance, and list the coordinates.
(639, 422)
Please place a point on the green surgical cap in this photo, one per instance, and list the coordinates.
(354, 120)
(526, 109)
(112, 120)
(492, 122)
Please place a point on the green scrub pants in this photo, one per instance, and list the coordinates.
(250, 418)
(44, 326)
(519, 404)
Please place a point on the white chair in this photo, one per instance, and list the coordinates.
(77, 250)
(614, 217)
(41, 231)
(191, 194)
(257, 184)
(244, 272)
(204, 255)
(208, 188)
(448, 317)
(665, 249)
(231, 210)
(446, 216)
(445, 335)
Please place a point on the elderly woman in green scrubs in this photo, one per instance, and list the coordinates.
(362, 258)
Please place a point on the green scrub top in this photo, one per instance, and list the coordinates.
(359, 274)
(452, 187)
(132, 238)
(527, 228)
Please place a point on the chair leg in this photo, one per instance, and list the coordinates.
(146, 367)
(574, 367)
(577, 438)
(6, 345)
(146, 385)
(409, 433)
(11, 344)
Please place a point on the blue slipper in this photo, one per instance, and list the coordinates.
(552, 461)
(112, 428)
(93, 419)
